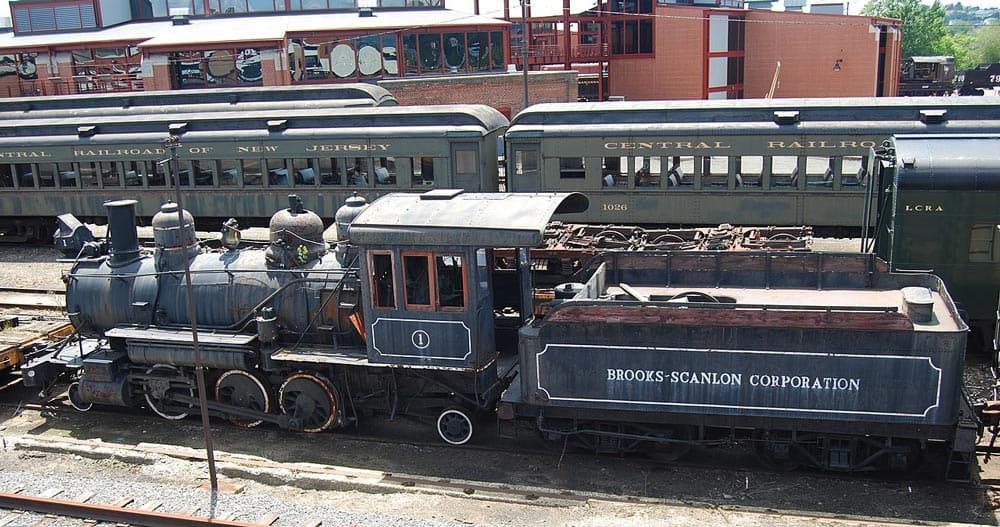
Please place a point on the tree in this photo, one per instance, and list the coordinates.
(923, 26)
(987, 44)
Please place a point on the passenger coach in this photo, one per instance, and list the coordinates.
(940, 213)
(241, 164)
(752, 162)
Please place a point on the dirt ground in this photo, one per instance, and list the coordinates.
(718, 478)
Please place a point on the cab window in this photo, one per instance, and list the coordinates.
(382, 281)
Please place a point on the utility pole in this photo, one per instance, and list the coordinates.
(524, 48)
(173, 142)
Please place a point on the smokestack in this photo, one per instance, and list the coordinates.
(121, 231)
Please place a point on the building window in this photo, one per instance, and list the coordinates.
(630, 37)
(216, 68)
(68, 15)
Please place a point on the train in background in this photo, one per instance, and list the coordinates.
(781, 162)
(936, 75)
(170, 101)
(815, 359)
(239, 163)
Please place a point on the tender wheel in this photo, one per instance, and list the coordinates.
(455, 426)
(666, 452)
(774, 451)
(245, 390)
(165, 380)
(310, 399)
(76, 401)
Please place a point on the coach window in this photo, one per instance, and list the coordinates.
(6, 176)
(277, 172)
(384, 170)
(681, 171)
(229, 173)
(423, 171)
(450, 275)
(67, 175)
(358, 172)
(417, 281)
(983, 243)
(252, 174)
(331, 171)
(749, 171)
(25, 176)
(109, 174)
(571, 168)
(303, 173)
(715, 172)
(819, 173)
(46, 174)
(784, 172)
(853, 170)
(204, 172)
(612, 175)
(157, 173)
(383, 280)
(133, 170)
(647, 172)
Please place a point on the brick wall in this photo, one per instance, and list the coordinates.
(501, 91)
(677, 72)
(808, 46)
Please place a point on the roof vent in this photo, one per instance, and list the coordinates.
(277, 125)
(786, 116)
(179, 16)
(177, 128)
(86, 131)
(935, 116)
(365, 12)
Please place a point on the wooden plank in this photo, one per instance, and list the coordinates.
(267, 519)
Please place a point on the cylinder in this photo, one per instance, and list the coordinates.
(121, 226)
(568, 291)
(114, 393)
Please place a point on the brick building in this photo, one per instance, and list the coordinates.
(425, 53)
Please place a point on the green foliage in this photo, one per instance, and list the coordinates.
(986, 47)
(924, 28)
(958, 45)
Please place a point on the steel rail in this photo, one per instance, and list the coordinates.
(109, 513)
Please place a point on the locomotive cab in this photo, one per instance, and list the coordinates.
(426, 272)
(427, 288)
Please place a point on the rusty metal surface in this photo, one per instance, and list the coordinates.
(109, 513)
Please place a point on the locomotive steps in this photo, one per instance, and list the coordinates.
(320, 477)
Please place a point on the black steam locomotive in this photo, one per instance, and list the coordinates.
(818, 359)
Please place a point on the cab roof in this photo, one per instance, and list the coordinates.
(452, 218)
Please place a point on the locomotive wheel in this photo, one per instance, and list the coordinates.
(164, 380)
(774, 451)
(311, 399)
(74, 398)
(245, 390)
(454, 425)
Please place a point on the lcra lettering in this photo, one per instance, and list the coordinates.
(923, 208)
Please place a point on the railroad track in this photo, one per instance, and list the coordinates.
(148, 514)
(32, 298)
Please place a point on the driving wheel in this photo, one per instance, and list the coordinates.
(243, 390)
(311, 400)
(164, 381)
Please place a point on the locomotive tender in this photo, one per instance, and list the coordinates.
(826, 360)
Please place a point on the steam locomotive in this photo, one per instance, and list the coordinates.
(818, 359)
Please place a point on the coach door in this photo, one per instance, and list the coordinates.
(465, 167)
(524, 169)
